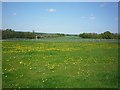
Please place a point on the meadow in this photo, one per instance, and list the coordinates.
(60, 63)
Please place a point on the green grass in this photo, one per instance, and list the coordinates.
(44, 64)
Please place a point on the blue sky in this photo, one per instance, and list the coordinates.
(60, 17)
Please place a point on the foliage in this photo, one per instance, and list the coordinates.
(105, 35)
(88, 35)
(9, 33)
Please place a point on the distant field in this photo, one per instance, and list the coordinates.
(60, 63)
(65, 39)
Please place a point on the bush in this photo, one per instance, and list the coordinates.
(105, 35)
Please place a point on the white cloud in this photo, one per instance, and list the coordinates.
(92, 17)
(82, 17)
(14, 13)
(52, 10)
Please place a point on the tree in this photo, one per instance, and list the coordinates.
(9, 33)
(107, 35)
(88, 35)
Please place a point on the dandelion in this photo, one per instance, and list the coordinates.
(27, 65)
(52, 67)
(43, 81)
(21, 62)
(8, 60)
(10, 70)
(43, 73)
(16, 77)
(16, 84)
(78, 73)
(87, 76)
(39, 71)
(52, 71)
(6, 76)
(13, 68)
(82, 70)
(21, 75)
(73, 63)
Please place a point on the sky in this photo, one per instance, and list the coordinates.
(60, 0)
(61, 17)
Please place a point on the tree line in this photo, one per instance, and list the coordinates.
(105, 35)
(9, 34)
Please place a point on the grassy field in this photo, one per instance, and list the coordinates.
(67, 64)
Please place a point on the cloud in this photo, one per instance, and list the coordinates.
(82, 17)
(14, 13)
(52, 10)
(92, 17)
(89, 17)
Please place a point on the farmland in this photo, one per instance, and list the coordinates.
(60, 63)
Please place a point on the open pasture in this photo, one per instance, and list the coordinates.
(39, 64)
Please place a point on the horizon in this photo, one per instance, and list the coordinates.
(59, 33)
(61, 17)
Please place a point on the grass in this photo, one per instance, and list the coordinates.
(44, 64)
